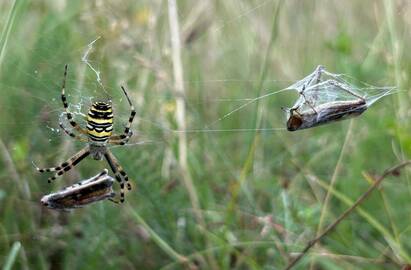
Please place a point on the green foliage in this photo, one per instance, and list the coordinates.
(261, 193)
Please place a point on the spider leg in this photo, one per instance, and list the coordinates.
(118, 140)
(67, 165)
(119, 173)
(71, 163)
(117, 176)
(64, 164)
(65, 105)
(71, 134)
(127, 133)
(119, 168)
(114, 201)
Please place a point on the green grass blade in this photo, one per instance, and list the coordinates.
(395, 246)
(5, 33)
(12, 256)
(157, 239)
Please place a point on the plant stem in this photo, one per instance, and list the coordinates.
(364, 196)
(180, 106)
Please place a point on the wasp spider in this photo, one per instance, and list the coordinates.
(97, 135)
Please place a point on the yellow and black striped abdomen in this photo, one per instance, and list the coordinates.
(100, 122)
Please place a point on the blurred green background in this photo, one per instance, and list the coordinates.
(261, 195)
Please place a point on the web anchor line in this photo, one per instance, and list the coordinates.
(85, 60)
(226, 130)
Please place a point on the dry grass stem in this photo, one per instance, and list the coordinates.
(311, 243)
(180, 106)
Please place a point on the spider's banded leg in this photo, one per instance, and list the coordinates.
(117, 176)
(71, 163)
(117, 139)
(127, 133)
(132, 114)
(119, 173)
(62, 165)
(120, 169)
(71, 134)
(114, 201)
(65, 166)
(120, 139)
(118, 142)
(65, 105)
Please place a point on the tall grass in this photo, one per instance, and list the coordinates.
(260, 195)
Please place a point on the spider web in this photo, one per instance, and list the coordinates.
(80, 99)
(88, 73)
(319, 87)
(224, 103)
(77, 108)
(322, 87)
(87, 80)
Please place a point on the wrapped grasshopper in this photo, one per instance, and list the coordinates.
(327, 100)
(97, 188)
(323, 114)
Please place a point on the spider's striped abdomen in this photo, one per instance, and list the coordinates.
(100, 122)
